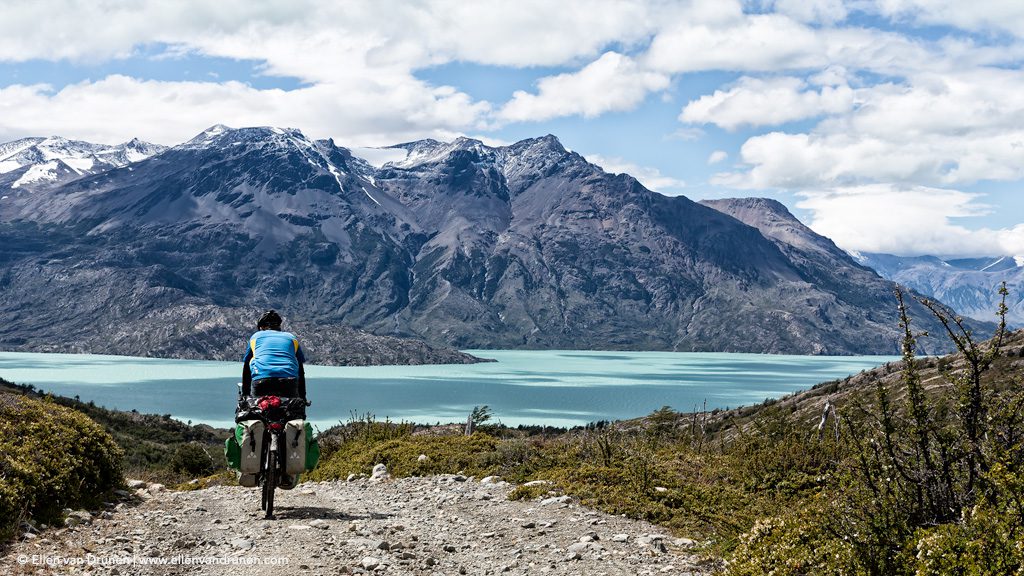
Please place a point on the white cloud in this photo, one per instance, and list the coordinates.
(282, 32)
(717, 156)
(775, 42)
(812, 11)
(760, 102)
(612, 82)
(651, 178)
(977, 15)
(908, 221)
(945, 130)
(739, 42)
(170, 112)
(686, 134)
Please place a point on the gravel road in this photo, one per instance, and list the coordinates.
(441, 525)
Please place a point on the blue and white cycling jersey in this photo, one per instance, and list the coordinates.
(274, 354)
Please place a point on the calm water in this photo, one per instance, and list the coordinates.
(558, 388)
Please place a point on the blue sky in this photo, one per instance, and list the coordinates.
(887, 125)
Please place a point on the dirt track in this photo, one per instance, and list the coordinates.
(424, 526)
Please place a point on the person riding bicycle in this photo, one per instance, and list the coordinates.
(273, 366)
(273, 363)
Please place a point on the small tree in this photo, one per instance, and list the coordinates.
(918, 468)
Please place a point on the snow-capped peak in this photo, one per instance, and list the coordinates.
(221, 136)
(56, 158)
(430, 150)
(207, 136)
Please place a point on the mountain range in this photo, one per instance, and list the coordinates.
(969, 285)
(459, 244)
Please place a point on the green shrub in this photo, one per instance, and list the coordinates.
(473, 455)
(51, 458)
(988, 540)
(796, 543)
(192, 459)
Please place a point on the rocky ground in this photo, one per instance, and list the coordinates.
(424, 526)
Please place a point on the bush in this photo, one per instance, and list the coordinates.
(51, 458)
(989, 539)
(474, 455)
(796, 543)
(192, 459)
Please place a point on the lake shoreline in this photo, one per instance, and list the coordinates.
(553, 388)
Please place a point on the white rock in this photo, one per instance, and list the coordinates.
(369, 563)
(156, 488)
(578, 547)
(133, 484)
(556, 500)
(620, 538)
(380, 472)
(652, 542)
(660, 489)
(537, 483)
(422, 458)
(490, 479)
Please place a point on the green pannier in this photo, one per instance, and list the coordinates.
(312, 449)
(232, 451)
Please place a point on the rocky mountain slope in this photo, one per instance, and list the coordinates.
(969, 285)
(445, 524)
(459, 243)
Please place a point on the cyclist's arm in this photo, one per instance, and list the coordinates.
(246, 374)
(301, 359)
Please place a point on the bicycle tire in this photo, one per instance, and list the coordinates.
(270, 482)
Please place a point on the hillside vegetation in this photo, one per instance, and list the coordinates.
(154, 447)
(911, 468)
(51, 458)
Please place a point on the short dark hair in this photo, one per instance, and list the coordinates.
(270, 319)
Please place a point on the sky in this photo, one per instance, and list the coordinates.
(887, 125)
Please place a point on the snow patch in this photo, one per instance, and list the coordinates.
(371, 197)
(133, 155)
(993, 264)
(9, 165)
(45, 171)
(337, 176)
(79, 164)
(1019, 260)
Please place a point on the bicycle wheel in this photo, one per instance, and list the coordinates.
(269, 483)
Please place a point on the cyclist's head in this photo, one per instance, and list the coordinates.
(271, 320)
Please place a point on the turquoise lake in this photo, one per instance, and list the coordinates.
(556, 388)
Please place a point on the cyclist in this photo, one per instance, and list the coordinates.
(273, 363)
